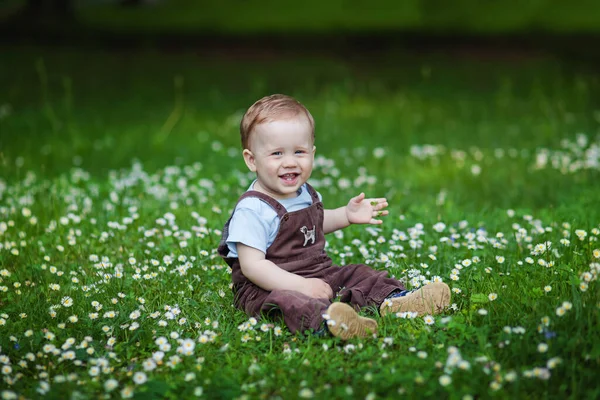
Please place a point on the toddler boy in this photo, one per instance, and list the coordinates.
(275, 239)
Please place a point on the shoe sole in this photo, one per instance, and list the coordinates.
(430, 299)
(348, 324)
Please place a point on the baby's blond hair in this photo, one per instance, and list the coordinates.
(271, 108)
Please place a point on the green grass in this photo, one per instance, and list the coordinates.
(111, 151)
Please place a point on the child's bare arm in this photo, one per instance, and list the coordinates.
(334, 220)
(268, 276)
(358, 211)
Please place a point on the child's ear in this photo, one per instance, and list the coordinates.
(314, 150)
(249, 160)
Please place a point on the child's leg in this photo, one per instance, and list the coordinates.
(361, 285)
(300, 312)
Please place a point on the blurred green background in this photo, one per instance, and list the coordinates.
(312, 16)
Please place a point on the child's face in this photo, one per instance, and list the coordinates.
(282, 154)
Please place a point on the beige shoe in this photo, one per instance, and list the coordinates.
(345, 323)
(430, 299)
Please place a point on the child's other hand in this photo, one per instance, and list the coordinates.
(365, 211)
(316, 288)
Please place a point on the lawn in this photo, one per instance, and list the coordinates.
(119, 169)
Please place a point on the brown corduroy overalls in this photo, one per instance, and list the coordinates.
(299, 248)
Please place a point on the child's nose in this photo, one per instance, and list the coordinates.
(289, 161)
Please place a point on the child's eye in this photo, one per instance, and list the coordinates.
(299, 151)
(276, 153)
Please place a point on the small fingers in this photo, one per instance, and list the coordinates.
(327, 291)
(382, 203)
(380, 206)
(359, 198)
(380, 213)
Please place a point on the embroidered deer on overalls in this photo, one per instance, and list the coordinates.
(308, 235)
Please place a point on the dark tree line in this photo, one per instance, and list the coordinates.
(38, 8)
(62, 8)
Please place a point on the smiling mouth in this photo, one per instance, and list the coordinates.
(289, 177)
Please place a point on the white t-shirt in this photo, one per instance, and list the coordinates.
(255, 223)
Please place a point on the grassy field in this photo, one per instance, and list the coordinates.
(120, 168)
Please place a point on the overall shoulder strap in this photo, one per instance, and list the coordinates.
(313, 193)
(279, 209)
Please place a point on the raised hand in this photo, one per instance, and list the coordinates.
(366, 211)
